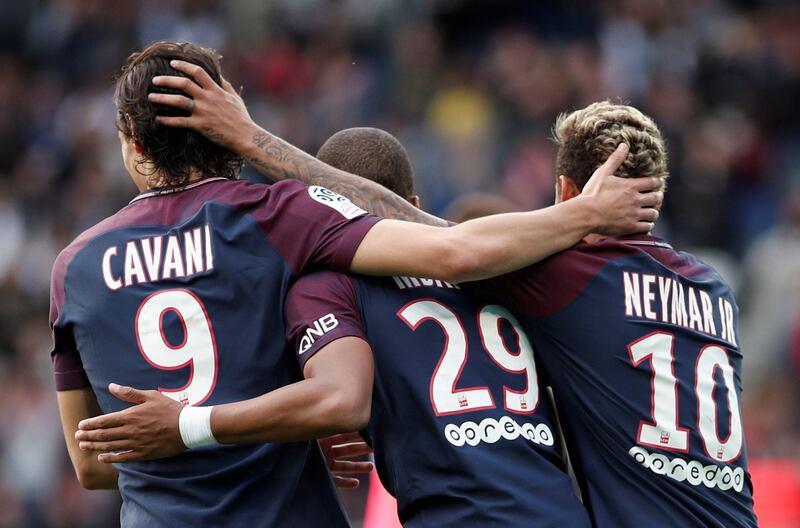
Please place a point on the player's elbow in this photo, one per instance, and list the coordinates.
(351, 411)
(93, 479)
(461, 262)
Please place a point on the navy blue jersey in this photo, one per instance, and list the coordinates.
(183, 292)
(460, 428)
(640, 343)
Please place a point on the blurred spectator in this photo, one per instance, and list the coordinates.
(477, 205)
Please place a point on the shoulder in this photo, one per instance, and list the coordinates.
(322, 286)
(68, 254)
(118, 220)
(241, 193)
(304, 200)
(317, 295)
(557, 281)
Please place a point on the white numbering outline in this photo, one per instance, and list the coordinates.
(198, 349)
(664, 432)
(446, 398)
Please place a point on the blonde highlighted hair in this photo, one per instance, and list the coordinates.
(586, 137)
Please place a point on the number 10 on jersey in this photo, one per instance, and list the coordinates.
(664, 432)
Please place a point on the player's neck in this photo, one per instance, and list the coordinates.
(593, 238)
(147, 182)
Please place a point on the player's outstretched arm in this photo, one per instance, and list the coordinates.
(219, 113)
(335, 397)
(74, 406)
(499, 244)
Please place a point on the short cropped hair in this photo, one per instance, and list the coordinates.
(588, 136)
(373, 154)
(173, 152)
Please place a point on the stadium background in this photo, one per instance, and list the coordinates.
(471, 89)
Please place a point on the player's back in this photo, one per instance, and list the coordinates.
(640, 343)
(461, 431)
(183, 292)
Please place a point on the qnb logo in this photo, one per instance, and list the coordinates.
(691, 471)
(490, 431)
(321, 326)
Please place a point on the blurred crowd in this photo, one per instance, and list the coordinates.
(471, 88)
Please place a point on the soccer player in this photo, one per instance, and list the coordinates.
(461, 431)
(641, 345)
(182, 290)
(639, 340)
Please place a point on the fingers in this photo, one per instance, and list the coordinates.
(183, 84)
(175, 100)
(128, 394)
(346, 483)
(104, 421)
(614, 160)
(107, 447)
(102, 435)
(120, 456)
(644, 227)
(350, 450)
(174, 121)
(345, 467)
(648, 214)
(228, 87)
(647, 184)
(196, 72)
(650, 199)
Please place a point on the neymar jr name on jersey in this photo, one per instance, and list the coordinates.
(669, 300)
(157, 258)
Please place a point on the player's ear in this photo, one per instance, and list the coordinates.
(132, 127)
(567, 188)
(414, 200)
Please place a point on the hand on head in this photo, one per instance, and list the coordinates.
(624, 205)
(217, 112)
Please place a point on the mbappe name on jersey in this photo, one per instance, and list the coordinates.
(668, 300)
(157, 258)
(405, 283)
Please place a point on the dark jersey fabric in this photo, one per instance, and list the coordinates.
(122, 312)
(464, 461)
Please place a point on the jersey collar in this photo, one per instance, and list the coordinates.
(148, 194)
(644, 240)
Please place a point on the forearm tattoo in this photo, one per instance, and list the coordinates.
(279, 160)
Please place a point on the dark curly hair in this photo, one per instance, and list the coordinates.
(173, 152)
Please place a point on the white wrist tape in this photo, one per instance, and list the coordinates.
(195, 426)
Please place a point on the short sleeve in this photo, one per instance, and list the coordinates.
(67, 364)
(313, 227)
(321, 308)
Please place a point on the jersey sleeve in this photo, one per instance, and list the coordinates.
(321, 308)
(313, 227)
(67, 364)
